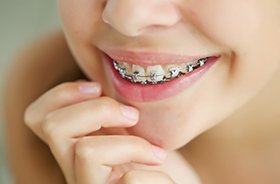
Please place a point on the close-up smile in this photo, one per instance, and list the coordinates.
(157, 73)
(143, 77)
(180, 91)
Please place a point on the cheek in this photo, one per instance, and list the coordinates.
(79, 19)
(226, 22)
(249, 29)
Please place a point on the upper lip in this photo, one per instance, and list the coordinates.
(148, 58)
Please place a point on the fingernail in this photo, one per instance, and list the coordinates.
(89, 88)
(129, 112)
(159, 152)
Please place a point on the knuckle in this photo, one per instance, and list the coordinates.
(59, 92)
(83, 151)
(49, 127)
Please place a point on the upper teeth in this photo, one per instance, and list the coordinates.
(154, 73)
(157, 73)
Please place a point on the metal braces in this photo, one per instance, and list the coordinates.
(173, 71)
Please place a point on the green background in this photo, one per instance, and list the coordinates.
(20, 22)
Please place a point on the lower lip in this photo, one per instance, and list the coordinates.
(147, 93)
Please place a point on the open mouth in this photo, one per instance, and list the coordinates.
(156, 74)
(145, 77)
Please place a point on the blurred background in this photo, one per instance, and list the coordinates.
(20, 22)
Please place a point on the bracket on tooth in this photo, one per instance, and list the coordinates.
(122, 72)
(202, 61)
(116, 65)
(174, 72)
(153, 76)
(135, 76)
(189, 68)
(120, 69)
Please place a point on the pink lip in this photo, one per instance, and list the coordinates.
(150, 58)
(147, 93)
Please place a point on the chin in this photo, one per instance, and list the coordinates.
(168, 138)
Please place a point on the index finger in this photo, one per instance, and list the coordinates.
(60, 96)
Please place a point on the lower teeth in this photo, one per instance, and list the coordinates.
(174, 73)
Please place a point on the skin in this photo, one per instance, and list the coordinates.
(243, 40)
(187, 23)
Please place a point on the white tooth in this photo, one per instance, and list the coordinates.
(120, 64)
(125, 66)
(183, 68)
(138, 73)
(167, 68)
(196, 64)
(155, 73)
(173, 71)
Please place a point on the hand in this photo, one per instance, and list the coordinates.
(72, 119)
(145, 177)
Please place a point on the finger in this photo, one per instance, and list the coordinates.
(147, 177)
(87, 117)
(63, 95)
(96, 155)
(82, 119)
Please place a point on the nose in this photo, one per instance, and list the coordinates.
(133, 17)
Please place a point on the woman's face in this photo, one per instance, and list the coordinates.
(240, 38)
